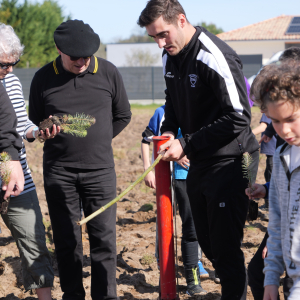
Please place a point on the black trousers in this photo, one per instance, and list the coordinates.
(219, 206)
(256, 276)
(64, 188)
(269, 168)
(189, 242)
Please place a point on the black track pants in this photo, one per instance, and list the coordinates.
(219, 207)
(256, 276)
(189, 243)
(64, 188)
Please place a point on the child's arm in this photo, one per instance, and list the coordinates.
(274, 265)
(260, 128)
(271, 292)
(150, 178)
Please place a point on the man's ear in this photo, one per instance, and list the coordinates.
(59, 52)
(182, 20)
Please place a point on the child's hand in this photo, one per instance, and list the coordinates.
(150, 180)
(271, 292)
(257, 191)
(184, 162)
(265, 139)
(264, 252)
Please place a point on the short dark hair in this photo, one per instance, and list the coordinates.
(291, 53)
(168, 9)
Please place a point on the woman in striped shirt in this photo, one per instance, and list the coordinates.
(24, 217)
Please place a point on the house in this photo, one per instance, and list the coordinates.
(258, 42)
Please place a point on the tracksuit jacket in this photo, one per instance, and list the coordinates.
(284, 240)
(206, 97)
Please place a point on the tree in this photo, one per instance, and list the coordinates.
(141, 58)
(212, 28)
(35, 25)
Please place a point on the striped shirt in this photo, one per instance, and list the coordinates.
(13, 88)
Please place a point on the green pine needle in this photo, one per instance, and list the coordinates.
(77, 125)
(5, 170)
(246, 163)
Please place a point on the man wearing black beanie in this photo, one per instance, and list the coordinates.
(76, 169)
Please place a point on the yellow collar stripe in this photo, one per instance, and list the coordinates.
(96, 65)
(55, 68)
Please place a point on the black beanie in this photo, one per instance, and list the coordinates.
(75, 38)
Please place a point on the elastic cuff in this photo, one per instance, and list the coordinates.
(267, 191)
(185, 144)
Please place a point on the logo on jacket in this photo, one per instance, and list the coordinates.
(169, 75)
(193, 79)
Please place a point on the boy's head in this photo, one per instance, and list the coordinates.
(166, 22)
(290, 53)
(276, 89)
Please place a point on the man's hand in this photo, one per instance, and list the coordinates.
(184, 162)
(174, 153)
(258, 192)
(150, 180)
(16, 183)
(265, 139)
(271, 292)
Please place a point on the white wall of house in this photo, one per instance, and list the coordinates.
(117, 53)
(266, 48)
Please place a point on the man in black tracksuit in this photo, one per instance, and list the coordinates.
(206, 97)
(81, 170)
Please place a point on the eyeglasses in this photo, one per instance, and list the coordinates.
(74, 58)
(6, 66)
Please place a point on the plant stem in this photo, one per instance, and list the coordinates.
(118, 198)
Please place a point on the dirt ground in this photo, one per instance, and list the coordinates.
(137, 272)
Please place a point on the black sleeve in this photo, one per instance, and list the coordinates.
(10, 141)
(120, 105)
(36, 107)
(270, 131)
(170, 121)
(228, 85)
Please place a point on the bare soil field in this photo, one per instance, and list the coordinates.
(137, 272)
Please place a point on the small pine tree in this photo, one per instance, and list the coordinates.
(5, 170)
(246, 163)
(76, 125)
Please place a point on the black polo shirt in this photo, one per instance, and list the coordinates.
(99, 91)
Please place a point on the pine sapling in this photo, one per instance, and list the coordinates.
(246, 163)
(76, 125)
(5, 172)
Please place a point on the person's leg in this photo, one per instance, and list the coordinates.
(256, 276)
(64, 209)
(223, 188)
(189, 242)
(24, 219)
(97, 188)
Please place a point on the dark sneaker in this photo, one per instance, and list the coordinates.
(192, 277)
(216, 278)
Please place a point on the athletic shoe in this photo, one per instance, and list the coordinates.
(203, 272)
(192, 277)
(216, 278)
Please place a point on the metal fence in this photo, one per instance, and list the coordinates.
(141, 83)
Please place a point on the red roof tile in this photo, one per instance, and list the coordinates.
(272, 29)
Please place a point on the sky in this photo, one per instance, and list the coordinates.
(113, 19)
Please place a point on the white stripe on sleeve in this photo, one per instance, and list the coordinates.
(216, 61)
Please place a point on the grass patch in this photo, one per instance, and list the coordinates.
(147, 259)
(146, 207)
(119, 153)
(138, 109)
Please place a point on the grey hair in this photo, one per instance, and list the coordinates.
(10, 44)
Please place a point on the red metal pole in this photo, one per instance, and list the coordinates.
(165, 224)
